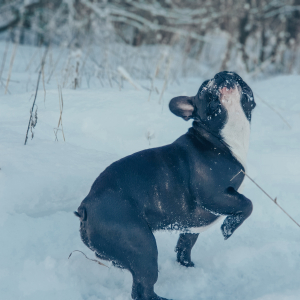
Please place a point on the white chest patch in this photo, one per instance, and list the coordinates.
(236, 131)
(204, 228)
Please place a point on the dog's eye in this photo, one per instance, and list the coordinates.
(213, 105)
(247, 97)
(248, 103)
(246, 91)
(245, 88)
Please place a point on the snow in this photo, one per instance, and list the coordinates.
(42, 183)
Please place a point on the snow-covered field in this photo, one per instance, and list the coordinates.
(42, 183)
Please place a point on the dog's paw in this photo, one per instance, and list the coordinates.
(226, 231)
(160, 298)
(187, 264)
(156, 297)
(184, 258)
(230, 224)
(227, 228)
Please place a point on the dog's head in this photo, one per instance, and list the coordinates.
(214, 101)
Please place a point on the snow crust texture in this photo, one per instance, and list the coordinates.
(42, 183)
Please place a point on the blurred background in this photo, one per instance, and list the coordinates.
(187, 37)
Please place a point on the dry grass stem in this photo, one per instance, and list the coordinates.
(166, 80)
(273, 200)
(95, 260)
(155, 75)
(36, 91)
(10, 66)
(4, 59)
(126, 76)
(61, 106)
(76, 79)
(272, 108)
(43, 73)
(32, 59)
(67, 72)
(54, 67)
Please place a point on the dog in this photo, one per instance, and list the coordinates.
(185, 186)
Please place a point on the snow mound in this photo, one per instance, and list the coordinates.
(43, 182)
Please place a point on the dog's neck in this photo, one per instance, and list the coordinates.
(232, 137)
(201, 131)
(236, 131)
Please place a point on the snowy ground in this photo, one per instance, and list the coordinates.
(42, 183)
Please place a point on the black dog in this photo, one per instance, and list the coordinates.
(185, 186)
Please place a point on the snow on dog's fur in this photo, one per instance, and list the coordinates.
(184, 186)
(236, 131)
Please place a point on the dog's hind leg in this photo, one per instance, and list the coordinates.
(184, 247)
(117, 232)
(135, 250)
(141, 261)
(144, 269)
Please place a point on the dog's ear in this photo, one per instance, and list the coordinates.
(182, 107)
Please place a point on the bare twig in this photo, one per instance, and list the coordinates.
(273, 200)
(61, 106)
(166, 80)
(235, 175)
(43, 73)
(126, 76)
(140, 22)
(54, 67)
(272, 108)
(95, 260)
(4, 58)
(10, 67)
(158, 66)
(36, 91)
(67, 71)
(32, 59)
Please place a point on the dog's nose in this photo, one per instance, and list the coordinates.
(219, 78)
(218, 75)
(223, 79)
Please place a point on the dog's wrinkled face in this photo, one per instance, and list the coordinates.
(216, 99)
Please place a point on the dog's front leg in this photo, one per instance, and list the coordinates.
(235, 206)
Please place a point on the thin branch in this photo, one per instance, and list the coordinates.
(61, 107)
(178, 16)
(95, 260)
(273, 200)
(175, 13)
(285, 9)
(43, 73)
(11, 24)
(235, 175)
(127, 76)
(59, 56)
(10, 67)
(32, 59)
(36, 91)
(272, 108)
(128, 16)
(4, 56)
(167, 71)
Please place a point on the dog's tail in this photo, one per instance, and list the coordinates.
(81, 214)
